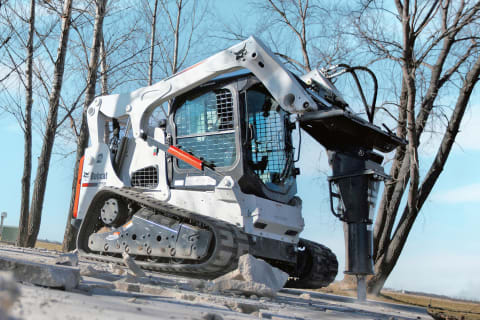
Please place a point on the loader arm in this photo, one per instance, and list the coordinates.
(250, 54)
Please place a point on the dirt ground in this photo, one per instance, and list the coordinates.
(438, 308)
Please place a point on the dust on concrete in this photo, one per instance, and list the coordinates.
(115, 291)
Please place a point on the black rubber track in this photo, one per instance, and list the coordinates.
(229, 242)
(319, 265)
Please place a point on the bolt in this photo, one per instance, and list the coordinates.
(306, 105)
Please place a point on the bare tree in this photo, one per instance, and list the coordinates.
(82, 141)
(50, 130)
(183, 19)
(27, 131)
(152, 42)
(436, 56)
(438, 51)
(303, 33)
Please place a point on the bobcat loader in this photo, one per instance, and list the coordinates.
(216, 179)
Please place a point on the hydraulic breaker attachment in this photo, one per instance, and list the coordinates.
(356, 173)
(354, 187)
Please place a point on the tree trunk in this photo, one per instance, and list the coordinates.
(27, 127)
(152, 43)
(388, 260)
(35, 216)
(176, 35)
(82, 141)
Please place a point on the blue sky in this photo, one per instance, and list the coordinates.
(441, 255)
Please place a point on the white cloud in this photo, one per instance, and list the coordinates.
(469, 193)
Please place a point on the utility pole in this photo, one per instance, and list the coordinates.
(2, 217)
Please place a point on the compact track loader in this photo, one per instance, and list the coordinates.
(190, 193)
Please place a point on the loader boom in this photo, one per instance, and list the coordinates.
(250, 54)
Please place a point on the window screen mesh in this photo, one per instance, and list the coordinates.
(145, 178)
(271, 152)
(205, 128)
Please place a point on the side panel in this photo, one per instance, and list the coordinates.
(97, 172)
(141, 156)
(257, 216)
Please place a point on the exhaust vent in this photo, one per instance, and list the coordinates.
(145, 178)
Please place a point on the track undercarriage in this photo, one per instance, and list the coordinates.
(165, 238)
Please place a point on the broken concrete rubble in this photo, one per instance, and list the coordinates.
(9, 292)
(212, 316)
(305, 296)
(68, 259)
(133, 268)
(41, 274)
(242, 287)
(252, 277)
(104, 272)
(242, 307)
(175, 297)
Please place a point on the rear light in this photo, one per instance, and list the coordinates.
(79, 185)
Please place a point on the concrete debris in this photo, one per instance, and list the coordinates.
(242, 307)
(68, 259)
(306, 296)
(264, 315)
(128, 285)
(88, 270)
(198, 284)
(109, 291)
(9, 292)
(132, 300)
(252, 277)
(133, 268)
(212, 316)
(116, 269)
(52, 276)
(98, 271)
(125, 286)
(242, 287)
(186, 296)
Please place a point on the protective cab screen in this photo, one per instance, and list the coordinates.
(271, 152)
(205, 128)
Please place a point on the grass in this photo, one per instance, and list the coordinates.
(451, 308)
(439, 308)
(48, 245)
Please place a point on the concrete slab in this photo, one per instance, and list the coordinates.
(160, 296)
(41, 274)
